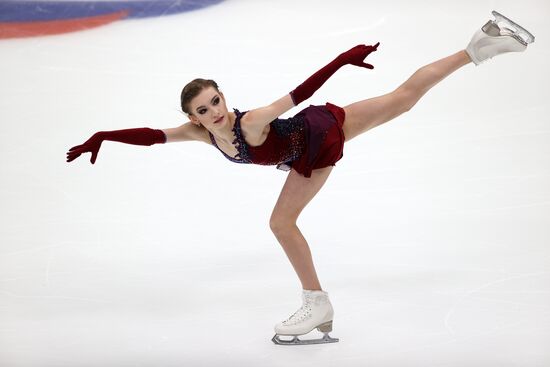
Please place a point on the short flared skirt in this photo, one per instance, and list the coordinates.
(324, 138)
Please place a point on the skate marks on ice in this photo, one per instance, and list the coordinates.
(479, 289)
(379, 23)
(46, 297)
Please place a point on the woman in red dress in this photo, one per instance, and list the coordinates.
(308, 144)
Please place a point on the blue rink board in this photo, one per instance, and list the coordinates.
(29, 11)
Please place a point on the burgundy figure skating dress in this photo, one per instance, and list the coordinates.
(312, 139)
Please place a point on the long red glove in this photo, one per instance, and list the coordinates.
(139, 136)
(354, 56)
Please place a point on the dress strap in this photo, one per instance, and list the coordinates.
(242, 146)
(239, 142)
(212, 139)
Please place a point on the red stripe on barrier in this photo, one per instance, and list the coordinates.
(31, 29)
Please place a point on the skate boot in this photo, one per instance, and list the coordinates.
(497, 37)
(316, 312)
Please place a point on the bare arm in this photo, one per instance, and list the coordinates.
(257, 119)
(260, 117)
(185, 132)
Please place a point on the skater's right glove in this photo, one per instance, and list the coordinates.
(139, 136)
(354, 56)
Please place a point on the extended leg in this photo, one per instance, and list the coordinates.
(364, 115)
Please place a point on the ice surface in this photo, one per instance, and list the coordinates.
(432, 235)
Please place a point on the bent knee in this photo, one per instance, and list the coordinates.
(280, 224)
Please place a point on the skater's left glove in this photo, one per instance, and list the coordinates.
(354, 56)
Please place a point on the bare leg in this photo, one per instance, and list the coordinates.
(364, 115)
(360, 117)
(297, 192)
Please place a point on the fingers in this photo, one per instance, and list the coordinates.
(72, 154)
(366, 47)
(94, 157)
(75, 152)
(72, 157)
(374, 48)
(368, 66)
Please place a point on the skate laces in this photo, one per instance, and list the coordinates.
(303, 313)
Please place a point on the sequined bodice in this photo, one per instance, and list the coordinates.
(284, 143)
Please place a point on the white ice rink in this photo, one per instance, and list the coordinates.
(432, 234)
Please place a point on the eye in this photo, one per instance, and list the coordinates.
(216, 100)
(202, 111)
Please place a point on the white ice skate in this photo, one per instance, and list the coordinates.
(316, 312)
(497, 37)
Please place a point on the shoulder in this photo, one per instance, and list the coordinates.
(203, 135)
(257, 119)
(198, 133)
(252, 131)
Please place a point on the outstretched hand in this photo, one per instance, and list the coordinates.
(91, 145)
(357, 54)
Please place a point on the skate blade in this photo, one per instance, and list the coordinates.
(520, 33)
(297, 341)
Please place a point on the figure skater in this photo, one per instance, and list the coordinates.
(308, 144)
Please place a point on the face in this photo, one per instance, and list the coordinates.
(209, 109)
